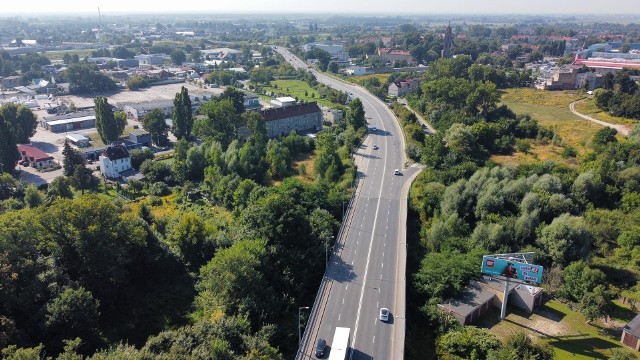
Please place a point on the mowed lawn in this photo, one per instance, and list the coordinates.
(564, 329)
(298, 89)
(551, 109)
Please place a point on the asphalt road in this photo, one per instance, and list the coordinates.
(367, 269)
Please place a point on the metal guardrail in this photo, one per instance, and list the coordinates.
(301, 354)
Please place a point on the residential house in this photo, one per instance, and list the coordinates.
(139, 110)
(151, 59)
(114, 160)
(332, 115)
(631, 334)
(36, 157)
(388, 55)
(280, 121)
(336, 50)
(400, 88)
(564, 78)
(251, 101)
(221, 54)
(141, 137)
(10, 82)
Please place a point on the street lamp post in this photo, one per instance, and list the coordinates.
(299, 332)
(326, 251)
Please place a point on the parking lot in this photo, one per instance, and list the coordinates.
(161, 92)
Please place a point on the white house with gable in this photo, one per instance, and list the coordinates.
(114, 160)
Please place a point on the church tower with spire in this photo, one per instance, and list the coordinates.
(448, 40)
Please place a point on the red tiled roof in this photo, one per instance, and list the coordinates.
(33, 153)
(289, 111)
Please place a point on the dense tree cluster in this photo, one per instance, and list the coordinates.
(84, 78)
(620, 96)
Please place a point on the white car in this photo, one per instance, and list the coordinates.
(375, 147)
(384, 314)
(397, 172)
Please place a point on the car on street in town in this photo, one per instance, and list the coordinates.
(375, 147)
(397, 172)
(320, 345)
(384, 314)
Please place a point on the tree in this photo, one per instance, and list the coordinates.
(74, 313)
(233, 281)
(85, 78)
(468, 342)
(236, 96)
(60, 187)
(333, 67)
(594, 304)
(182, 114)
(137, 82)
(604, 136)
(21, 119)
(520, 346)
(220, 124)
(154, 123)
(83, 179)
(138, 156)
(32, 196)
(355, 114)
(70, 159)
(579, 279)
(190, 239)
(566, 239)
(9, 154)
(122, 52)
(178, 57)
(156, 171)
(108, 127)
(278, 158)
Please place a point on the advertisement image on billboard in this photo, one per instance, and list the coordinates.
(511, 269)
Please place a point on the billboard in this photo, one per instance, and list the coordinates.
(495, 266)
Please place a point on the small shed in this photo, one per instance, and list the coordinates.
(631, 334)
(474, 302)
(141, 137)
(78, 140)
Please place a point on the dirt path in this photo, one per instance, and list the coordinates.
(622, 129)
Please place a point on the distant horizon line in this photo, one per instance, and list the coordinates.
(345, 14)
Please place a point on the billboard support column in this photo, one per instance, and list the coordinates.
(503, 310)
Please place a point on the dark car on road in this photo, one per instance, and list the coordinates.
(320, 345)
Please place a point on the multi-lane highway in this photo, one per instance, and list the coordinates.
(367, 269)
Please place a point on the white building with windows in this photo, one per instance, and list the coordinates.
(114, 160)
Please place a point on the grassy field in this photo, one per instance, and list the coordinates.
(550, 109)
(565, 330)
(58, 55)
(297, 89)
(588, 107)
(358, 79)
(307, 160)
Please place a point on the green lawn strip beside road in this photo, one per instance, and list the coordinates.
(565, 330)
(358, 79)
(297, 89)
(551, 109)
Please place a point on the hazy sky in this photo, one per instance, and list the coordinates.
(628, 7)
